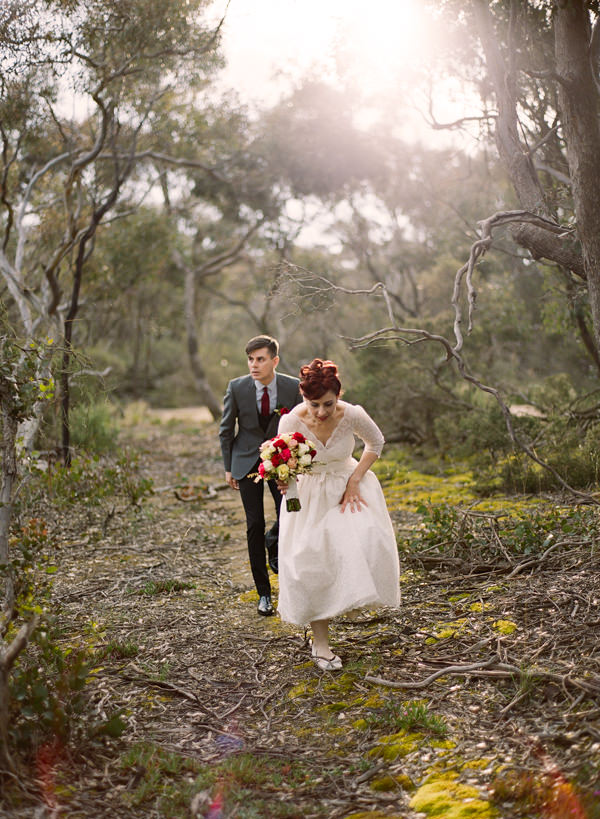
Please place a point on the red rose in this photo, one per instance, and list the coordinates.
(283, 411)
(298, 436)
(312, 452)
(285, 454)
(275, 459)
(261, 470)
(279, 444)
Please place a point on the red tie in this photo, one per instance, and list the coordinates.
(265, 408)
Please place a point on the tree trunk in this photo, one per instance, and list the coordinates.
(9, 474)
(516, 156)
(205, 392)
(579, 103)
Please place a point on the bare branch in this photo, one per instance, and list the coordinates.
(558, 175)
(399, 333)
(543, 140)
(478, 250)
(178, 162)
(10, 654)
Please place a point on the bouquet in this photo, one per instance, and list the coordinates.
(283, 458)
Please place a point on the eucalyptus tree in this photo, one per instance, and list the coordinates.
(535, 66)
(65, 172)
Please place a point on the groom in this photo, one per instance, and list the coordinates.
(251, 410)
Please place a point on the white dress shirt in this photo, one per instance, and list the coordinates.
(272, 389)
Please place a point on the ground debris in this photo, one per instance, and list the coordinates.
(488, 674)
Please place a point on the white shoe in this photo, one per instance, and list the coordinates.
(326, 664)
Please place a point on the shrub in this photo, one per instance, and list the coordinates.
(93, 428)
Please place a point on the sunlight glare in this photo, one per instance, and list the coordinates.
(382, 37)
(371, 40)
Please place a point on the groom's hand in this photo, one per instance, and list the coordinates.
(231, 481)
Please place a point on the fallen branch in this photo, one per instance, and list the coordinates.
(443, 672)
(501, 670)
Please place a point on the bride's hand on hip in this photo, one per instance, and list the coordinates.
(352, 498)
(283, 487)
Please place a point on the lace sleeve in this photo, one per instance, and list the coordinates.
(367, 430)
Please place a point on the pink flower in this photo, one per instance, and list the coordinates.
(285, 454)
(261, 470)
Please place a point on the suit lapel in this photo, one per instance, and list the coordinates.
(282, 396)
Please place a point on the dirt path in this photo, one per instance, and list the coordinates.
(224, 715)
(209, 682)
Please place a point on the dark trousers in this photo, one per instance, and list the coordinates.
(253, 499)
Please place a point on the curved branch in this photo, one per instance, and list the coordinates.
(479, 249)
(399, 333)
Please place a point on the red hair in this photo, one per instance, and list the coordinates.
(319, 377)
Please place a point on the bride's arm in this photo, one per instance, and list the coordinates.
(366, 429)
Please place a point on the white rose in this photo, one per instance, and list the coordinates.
(302, 448)
(267, 465)
(305, 460)
(283, 472)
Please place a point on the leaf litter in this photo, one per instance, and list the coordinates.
(483, 689)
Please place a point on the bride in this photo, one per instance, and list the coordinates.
(339, 551)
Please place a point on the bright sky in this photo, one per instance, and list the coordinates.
(373, 39)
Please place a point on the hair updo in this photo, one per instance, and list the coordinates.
(319, 377)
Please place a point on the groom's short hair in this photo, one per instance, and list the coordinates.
(258, 342)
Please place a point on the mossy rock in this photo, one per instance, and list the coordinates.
(443, 796)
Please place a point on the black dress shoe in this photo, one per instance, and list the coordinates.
(274, 564)
(265, 607)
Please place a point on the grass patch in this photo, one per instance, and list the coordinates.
(153, 588)
(168, 783)
(409, 716)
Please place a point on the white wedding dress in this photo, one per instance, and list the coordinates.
(331, 562)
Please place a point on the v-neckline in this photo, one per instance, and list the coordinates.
(333, 431)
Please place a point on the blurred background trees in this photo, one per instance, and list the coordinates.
(151, 223)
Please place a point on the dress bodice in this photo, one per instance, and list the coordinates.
(340, 445)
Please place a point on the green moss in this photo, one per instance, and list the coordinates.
(477, 764)
(303, 689)
(396, 746)
(505, 626)
(445, 630)
(405, 782)
(480, 606)
(248, 597)
(443, 744)
(442, 796)
(386, 783)
(335, 707)
(342, 683)
(372, 814)
(360, 724)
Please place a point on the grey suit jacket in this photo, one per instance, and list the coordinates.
(240, 432)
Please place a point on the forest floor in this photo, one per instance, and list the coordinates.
(479, 697)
